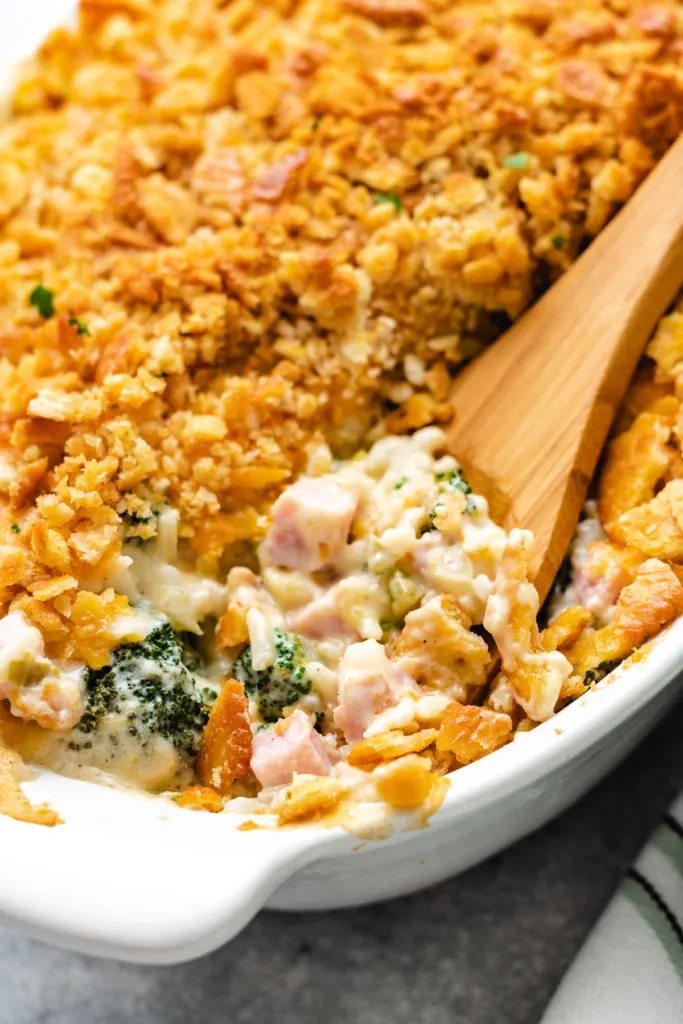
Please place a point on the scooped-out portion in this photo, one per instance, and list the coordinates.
(384, 635)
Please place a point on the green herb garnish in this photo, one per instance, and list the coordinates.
(516, 160)
(43, 300)
(559, 241)
(15, 528)
(389, 197)
(430, 525)
(317, 118)
(400, 483)
(454, 480)
(81, 328)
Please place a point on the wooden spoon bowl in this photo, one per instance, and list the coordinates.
(533, 411)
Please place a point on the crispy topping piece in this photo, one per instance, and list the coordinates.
(406, 783)
(388, 746)
(310, 800)
(566, 628)
(200, 798)
(471, 732)
(635, 463)
(225, 749)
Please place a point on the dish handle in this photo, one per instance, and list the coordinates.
(158, 899)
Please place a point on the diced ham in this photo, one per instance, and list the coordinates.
(598, 596)
(311, 522)
(291, 745)
(368, 684)
(320, 619)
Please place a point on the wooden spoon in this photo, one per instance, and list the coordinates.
(533, 411)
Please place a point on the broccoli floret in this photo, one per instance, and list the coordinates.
(149, 683)
(279, 685)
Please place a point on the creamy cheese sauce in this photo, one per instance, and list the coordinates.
(360, 555)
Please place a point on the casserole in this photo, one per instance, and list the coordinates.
(187, 928)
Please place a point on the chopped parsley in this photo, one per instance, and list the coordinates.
(516, 160)
(559, 241)
(451, 480)
(43, 300)
(400, 483)
(389, 197)
(430, 525)
(317, 118)
(15, 528)
(454, 480)
(81, 328)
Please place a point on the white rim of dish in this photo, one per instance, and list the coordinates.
(151, 922)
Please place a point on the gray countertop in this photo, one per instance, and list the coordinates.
(486, 948)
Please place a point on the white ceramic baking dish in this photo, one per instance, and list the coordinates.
(135, 877)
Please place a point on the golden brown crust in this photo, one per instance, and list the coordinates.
(236, 232)
(437, 648)
(225, 749)
(656, 526)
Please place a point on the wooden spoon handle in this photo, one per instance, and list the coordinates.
(533, 411)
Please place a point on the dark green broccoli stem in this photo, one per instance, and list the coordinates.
(279, 685)
(149, 682)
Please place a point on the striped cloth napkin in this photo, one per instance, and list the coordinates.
(630, 971)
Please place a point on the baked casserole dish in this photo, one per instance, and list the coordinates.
(244, 248)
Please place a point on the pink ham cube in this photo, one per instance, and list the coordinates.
(311, 522)
(368, 684)
(291, 745)
(320, 619)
